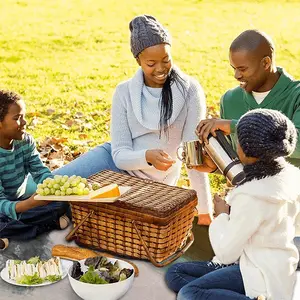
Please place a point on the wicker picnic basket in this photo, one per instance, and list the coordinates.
(151, 221)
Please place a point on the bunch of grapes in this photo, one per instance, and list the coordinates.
(64, 186)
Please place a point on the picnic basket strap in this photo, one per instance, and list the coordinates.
(70, 236)
(169, 259)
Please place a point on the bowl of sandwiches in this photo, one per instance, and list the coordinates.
(109, 277)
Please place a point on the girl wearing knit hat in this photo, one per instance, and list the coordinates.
(255, 254)
(152, 114)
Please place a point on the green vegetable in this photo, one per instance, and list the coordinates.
(92, 277)
(30, 280)
(33, 260)
(17, 261)
(53, 278)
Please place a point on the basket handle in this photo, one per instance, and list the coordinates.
(70, 236)
(169, 259)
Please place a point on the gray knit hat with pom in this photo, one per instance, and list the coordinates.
(266, 134)
(146, 31)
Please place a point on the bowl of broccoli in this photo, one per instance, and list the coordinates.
(101, 277)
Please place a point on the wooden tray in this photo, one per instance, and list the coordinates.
(84, 198)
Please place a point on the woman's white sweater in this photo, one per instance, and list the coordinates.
(259, 233)
(135, 129)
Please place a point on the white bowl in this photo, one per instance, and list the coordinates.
(110, 291)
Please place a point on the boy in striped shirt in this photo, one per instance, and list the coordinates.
(21, 217)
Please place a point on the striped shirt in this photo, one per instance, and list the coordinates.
(15, 165)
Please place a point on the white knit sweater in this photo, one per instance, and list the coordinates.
(259, 233)
(135, 129)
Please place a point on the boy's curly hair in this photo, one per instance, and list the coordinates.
(7, 98)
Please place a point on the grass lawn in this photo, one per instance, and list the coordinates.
(66, 56)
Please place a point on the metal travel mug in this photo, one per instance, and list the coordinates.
(193, 153)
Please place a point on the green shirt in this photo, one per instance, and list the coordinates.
(15, 165)
(284, 96)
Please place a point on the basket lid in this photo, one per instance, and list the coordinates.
(146, 196)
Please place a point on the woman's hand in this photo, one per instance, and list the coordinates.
(207, 126)
(220, 206)
(29, 203)
(159, 159)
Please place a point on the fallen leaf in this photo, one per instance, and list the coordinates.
(50, 111)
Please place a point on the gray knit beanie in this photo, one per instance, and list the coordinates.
(266, 134)
(146, 31)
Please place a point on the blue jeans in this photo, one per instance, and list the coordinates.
(94, 161)
(34, 221)
(206, 281)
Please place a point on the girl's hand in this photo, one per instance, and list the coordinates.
(208, 164)
(159, 159)
(220, 206)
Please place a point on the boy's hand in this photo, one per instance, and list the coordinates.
(159, 159)
(207, 126)
(29, 203)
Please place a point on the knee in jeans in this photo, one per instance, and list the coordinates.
(171, 276)
(188, 293)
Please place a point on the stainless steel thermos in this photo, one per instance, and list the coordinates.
(226, 159)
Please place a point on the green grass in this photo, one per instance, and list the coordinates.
(70, 54)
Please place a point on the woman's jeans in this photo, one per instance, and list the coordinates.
(206, 281)
(91, 162)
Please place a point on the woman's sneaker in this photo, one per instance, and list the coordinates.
(64, 222)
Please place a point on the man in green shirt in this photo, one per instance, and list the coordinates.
(262, 85)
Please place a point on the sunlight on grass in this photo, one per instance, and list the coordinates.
(70, 55)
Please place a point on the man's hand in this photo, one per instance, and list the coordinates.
(159, 159)
(207, 126)
(29, 203)
(220, 206)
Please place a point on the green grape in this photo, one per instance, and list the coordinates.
(84, 180)
(62, 193)
(72, 177)
(50, 185)
(40, 191)
(57, 193)
(62, 188)
(86, 191)
(40, 186)
(57, 178)
(44, 185)
(67, 185)
(52, 191)
(95, 186)
(56, 186)
(81, 185)
(69, 191)
(47, 180)
(79, 192)
(75, 190)
(74, 183)
(65, 178)
(46, 191)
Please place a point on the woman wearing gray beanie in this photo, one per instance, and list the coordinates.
(152, 114)
(255, 256)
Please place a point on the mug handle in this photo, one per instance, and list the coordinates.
(179, 157)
